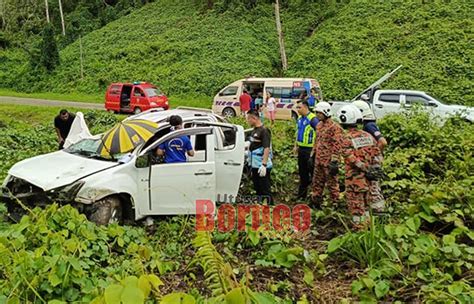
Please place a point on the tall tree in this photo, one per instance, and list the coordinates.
(47, 10)
(62, 17)
(281, 41)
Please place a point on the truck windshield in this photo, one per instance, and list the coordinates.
(152, 92)
(88, 147)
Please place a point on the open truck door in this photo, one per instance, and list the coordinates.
(370, 90)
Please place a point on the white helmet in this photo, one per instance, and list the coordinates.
(365, 109)
(349, 115)
(323, 107)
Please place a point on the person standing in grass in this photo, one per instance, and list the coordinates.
(327, 151)
(361, 157)
(245, 100)
(62, 125)
(370, 126)
(271, 107)
(305, 135)
(259, 105)
(260, 156)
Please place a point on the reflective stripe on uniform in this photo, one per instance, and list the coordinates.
(305, 133)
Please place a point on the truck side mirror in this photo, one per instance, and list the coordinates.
(143, 161)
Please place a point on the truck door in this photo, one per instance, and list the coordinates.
(230, 153)
(175, 187)
(386, 103)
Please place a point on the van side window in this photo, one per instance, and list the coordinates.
(297, 91)
(394, 98)
(229, 91)
(115, 90)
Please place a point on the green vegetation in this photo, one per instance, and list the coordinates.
(188, 49)
(419, 251)
(364, 40)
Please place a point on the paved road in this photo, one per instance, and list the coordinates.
(51, 103)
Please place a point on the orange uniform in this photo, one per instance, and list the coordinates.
(327, 147)
(360, 151)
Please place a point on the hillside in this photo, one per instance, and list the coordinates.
(191, 51)
(365, 40)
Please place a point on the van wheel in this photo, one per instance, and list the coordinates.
(137, 110)
(107, 211)
(294, 116)
(228, 112)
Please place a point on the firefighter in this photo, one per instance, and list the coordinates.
(361, 156)
(327, 150)
(305, 134)
(369, 126)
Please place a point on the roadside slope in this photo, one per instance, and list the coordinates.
(366, 39)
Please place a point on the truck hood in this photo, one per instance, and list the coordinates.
(463, 111)
(57, 169)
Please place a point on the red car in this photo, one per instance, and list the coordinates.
(134, 97)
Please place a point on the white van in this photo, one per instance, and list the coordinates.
(286, 92)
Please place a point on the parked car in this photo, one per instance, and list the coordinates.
(134, 97)
(286, 92)
(135, 185)
(384, 102)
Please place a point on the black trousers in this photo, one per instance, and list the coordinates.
(262, 185)
(304, 171)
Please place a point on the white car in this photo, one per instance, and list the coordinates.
(136, 186)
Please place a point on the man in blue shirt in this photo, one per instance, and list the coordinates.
(305, 135)
(175, 149)
(312, 98)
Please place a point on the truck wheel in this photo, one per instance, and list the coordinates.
(228, 112)
(137, 110)
(107, 211)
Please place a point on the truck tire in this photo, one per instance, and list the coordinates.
(137, 110)
(107, 211)
(228, 112)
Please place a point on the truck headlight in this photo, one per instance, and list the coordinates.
(69, 192)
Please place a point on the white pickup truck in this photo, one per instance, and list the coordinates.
(384, 102)
(136, 185)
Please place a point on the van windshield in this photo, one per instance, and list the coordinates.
(152, 92)
(89, 147)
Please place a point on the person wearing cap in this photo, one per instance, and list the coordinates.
(327, 151)
(175, 149)
(361, 157)
(370, 126)
(305, 135)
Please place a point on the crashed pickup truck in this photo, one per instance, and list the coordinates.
(136, 184)
(384, 102)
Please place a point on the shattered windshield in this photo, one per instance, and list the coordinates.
(88, 147)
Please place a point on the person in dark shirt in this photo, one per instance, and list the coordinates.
(260, 156)
(62, 125)
(175, 149)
